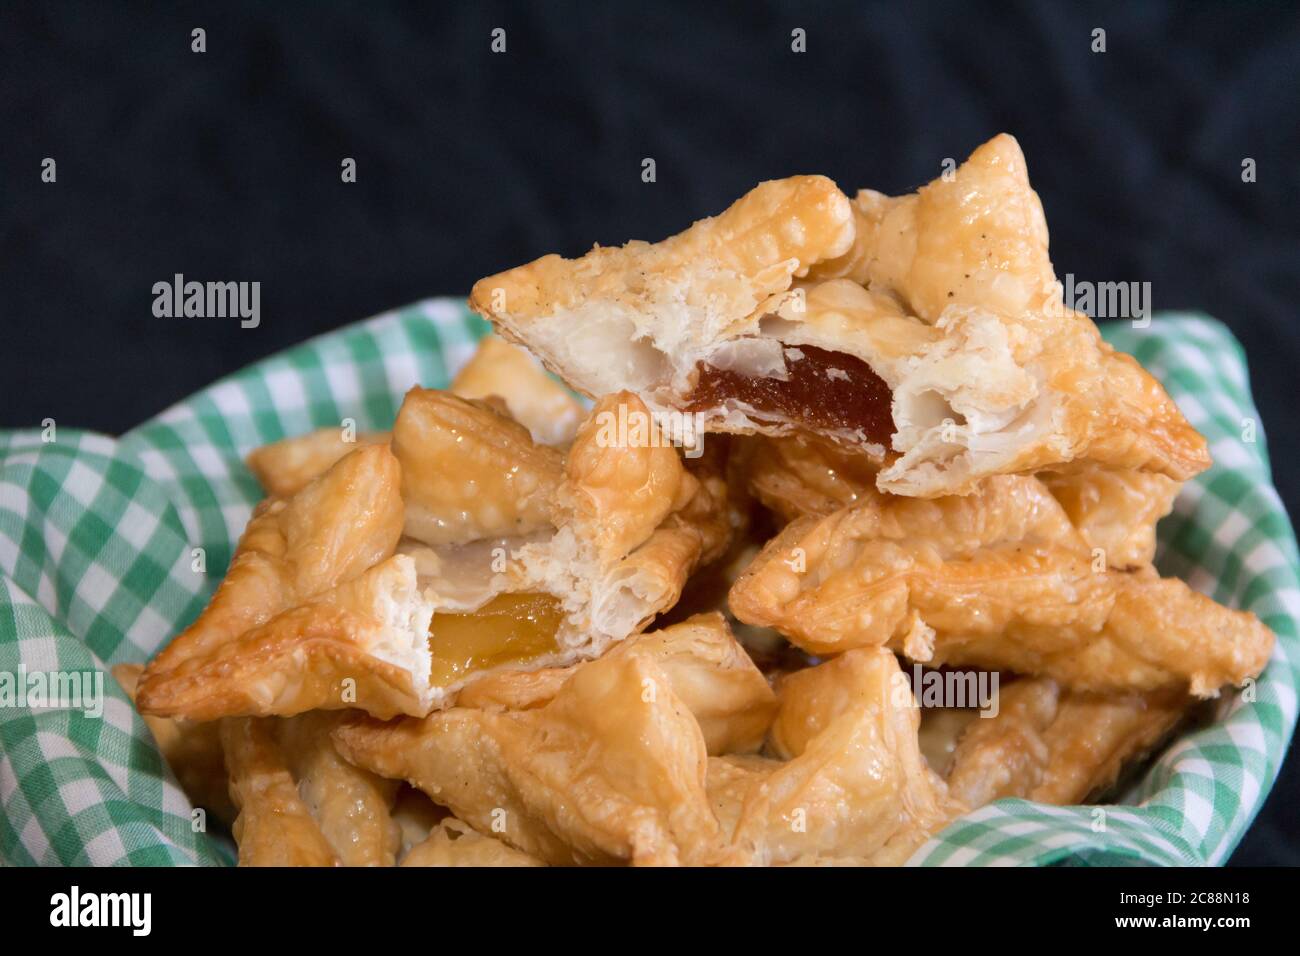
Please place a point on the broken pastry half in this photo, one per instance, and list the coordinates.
(315, 611)
(928, 331)
(533, 558)
(409, 569)
(1000, 580)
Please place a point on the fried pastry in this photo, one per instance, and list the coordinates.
(191, 748)
(351, 807)
(705, 665)
(801, 475)
(497, 371)
(936, 330)
(632, 522)
(300, 803)
(469, 472)
(362, 644)
(612, 769)
(535, 400)
(915, 448)
(623, 524)
(274, 826)
(453, 843)
(1116, 511)
(287, 466)
(853, 782)
(306, 616)
(999, 580)
(1058, 746)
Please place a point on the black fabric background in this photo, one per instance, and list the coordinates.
(225, 165)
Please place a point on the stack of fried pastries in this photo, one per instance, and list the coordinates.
(834, 446)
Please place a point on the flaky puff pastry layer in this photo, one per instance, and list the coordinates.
(191, 748)
(361, 644)
(497, 372)
(998, 579)
(705, 665)
(338, 526)
(632, 522)
(312, 614)
(1116, 511)
(947, 295)
(534, 399)
(285, 467)
(801, 475)
(299, 803)
(470, 472)
(853, 783)
(1059, 746)
(581, 316)
(611, 769)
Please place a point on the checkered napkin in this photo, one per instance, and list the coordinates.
(97, 566)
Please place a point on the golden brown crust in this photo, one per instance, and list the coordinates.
(351, 807)
(776, 231)
(707, 668)
(1115, 511)
(274, 827)
(358, 645)
(293, 549)
(285, 467)
(620, 483)
(869, 211)
(1004, 582)
(854, 783)
(612, 769)
(1058, 746)
(536, 401)
(469, 472)
(498, 371)
(299, 803)
(1094, 736)
(801, 475)
(1005, 755)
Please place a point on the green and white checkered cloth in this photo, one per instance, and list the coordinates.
(97, 539)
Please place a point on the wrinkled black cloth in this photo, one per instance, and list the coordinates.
(225, 165)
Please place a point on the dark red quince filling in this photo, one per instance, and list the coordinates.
(824, 392)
